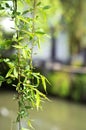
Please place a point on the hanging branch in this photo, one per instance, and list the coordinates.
(18, 56)
(20, 72)
(33, 32)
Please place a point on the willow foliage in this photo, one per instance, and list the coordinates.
(27, 34)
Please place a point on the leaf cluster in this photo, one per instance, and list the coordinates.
(21, 73)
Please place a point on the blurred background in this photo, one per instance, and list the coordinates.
(62, 59)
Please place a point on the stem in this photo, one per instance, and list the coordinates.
(18, 55)
(33, 32)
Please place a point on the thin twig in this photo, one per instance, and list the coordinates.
(18, 55)
(33, 32)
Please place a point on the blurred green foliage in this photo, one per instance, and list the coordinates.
(66, 86)
(60, 83)
(78, 91)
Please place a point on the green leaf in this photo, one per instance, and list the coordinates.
(25, 12)
(18, 86)
(46, 7)
(47, 81)
(9, 72)
(7, 5)
(29, 85)
(39, 3)
(40, 32)
(6, 60)
(23, 19)
(43, 82)
(1, 79)
(37, 100)
(29, 33)
(29, 124)
(39, 43)
(20, 39)
(28, 107)
(36, 75)
(9, 81)
(17, 46)
(42, 95)
(10, 64)
(15, 73)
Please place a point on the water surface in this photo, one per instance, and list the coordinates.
(56, 115)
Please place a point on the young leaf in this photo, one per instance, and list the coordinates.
(15, 73)
(39, 3)
(36, 75)
(42, 95)
(9, 72)
(40, 32)
(6, 60)
(20, 39)
(28, 33)
(39, 43)
(29, 124)
(37, 100)
(25, 12)
(9, 81)
(46, 7)
(1, 80)
(43, 82)
(17, 46)
(23, 19)
(28, 107)
(10, 64)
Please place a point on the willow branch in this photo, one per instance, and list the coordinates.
(18, 55)
(33, 32)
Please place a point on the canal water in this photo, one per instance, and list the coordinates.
(56, 114)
